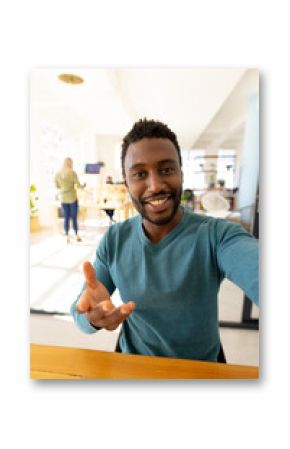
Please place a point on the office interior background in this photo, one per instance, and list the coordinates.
(84, 114)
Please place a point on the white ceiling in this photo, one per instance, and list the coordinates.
(206, 108)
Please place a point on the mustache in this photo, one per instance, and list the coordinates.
(158, 196)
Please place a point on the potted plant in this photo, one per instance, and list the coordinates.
(34, 214)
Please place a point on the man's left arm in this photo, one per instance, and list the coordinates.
(238, 257)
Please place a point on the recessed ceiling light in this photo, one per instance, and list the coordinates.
(70, 78)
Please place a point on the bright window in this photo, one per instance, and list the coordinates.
(192, 165)
(226, 167)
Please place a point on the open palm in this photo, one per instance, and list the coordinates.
(96, 302)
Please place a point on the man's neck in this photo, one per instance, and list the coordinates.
(155, 233)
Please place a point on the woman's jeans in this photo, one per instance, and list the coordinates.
(70, 211)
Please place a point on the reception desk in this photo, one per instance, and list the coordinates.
(58, 362)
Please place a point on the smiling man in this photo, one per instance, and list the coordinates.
(152, 170)
(167, 262)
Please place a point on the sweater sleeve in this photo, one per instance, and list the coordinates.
(56, 181)
(238, 257)
(103, 275)
(76, 180)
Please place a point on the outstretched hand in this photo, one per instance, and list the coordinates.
(95, 301)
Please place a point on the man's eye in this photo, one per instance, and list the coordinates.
(139, 174)
(167, 170)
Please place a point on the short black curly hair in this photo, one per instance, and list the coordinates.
(148, 128)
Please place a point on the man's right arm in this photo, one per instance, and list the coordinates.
(100, 266)
(93, 309)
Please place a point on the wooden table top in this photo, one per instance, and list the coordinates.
(58, 362)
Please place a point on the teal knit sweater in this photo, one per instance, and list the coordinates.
(174, 283)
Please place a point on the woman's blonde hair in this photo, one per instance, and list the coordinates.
(67, 166)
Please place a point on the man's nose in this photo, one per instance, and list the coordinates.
(155, 182)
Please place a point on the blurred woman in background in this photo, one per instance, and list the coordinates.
(66, 180)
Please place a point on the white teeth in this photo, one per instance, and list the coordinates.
(157, 202)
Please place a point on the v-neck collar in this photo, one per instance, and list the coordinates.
(165, 240)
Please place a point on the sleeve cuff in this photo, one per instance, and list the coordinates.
(81, 321)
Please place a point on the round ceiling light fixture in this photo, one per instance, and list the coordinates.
(70, 78)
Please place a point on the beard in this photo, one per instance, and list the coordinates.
(140, 206)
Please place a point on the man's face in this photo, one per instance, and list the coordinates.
(154, 179)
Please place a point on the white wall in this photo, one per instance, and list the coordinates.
(249, 165)
(105, 150)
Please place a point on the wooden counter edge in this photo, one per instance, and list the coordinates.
(60, 362)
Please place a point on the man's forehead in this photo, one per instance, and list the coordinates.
(148, 149)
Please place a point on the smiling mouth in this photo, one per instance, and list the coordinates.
(158, 203)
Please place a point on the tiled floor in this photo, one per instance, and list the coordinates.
(56, 277)
(56, 267)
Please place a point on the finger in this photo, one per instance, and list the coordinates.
(129, 307)
(90, 274)
(83, 306)
(107, 306)
(84, 303)
(99, 312)
(111, 320)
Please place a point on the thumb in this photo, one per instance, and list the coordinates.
(90, 275)
(84, 303)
